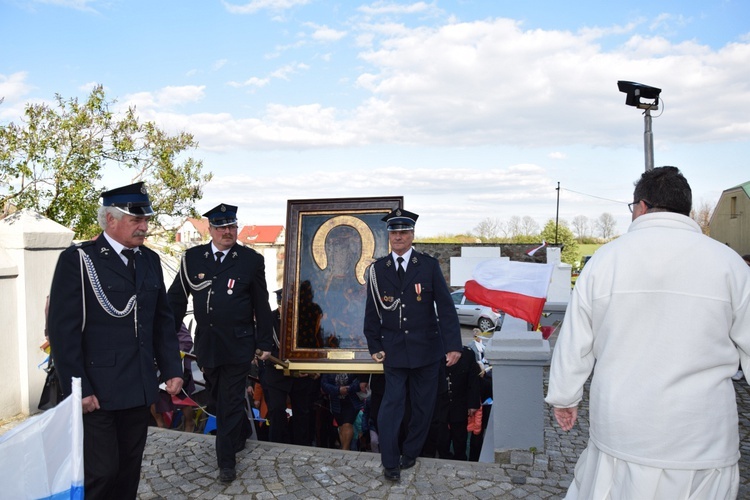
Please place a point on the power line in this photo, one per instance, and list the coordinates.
(594, 196)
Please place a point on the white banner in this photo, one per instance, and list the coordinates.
(43, 456)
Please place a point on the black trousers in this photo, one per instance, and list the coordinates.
(423, 384)
(113, 443)
(226, 384)
(298, 391)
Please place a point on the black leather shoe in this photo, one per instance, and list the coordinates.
(392, 474)
(227, 475)
(407, 463)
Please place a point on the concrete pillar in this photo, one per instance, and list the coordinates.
(518, 358)
(34, 243)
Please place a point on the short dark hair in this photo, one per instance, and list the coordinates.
(664, 189)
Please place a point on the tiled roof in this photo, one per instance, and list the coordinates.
(253, 235)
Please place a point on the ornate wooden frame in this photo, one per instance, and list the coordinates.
(329, 244)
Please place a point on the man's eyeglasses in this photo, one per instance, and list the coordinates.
(631, 205)
(221, 229)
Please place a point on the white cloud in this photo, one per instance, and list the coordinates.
(490, 83)
(253, 81)
(14, 87)
(383, 7)
(82, 5)
(325, 33)
(167, 97)
(281, 73)
(257, 5)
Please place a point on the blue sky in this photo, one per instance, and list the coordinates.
(469, 109)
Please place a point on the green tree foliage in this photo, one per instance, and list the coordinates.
(565, 236)
(53, 162)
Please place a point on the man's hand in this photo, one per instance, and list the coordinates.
(379, 356)
(174, 385)
(264, 355)
(89, 404)
(452, 358)
(566, 417)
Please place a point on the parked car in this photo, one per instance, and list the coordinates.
(470, 313)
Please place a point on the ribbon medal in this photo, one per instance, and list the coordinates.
(418, 289)
(230, 285)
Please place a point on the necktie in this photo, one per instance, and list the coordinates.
(400, 268)
(130, 255)
(218, 255)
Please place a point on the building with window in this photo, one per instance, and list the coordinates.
(730, 222)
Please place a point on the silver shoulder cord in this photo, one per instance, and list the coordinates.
(196, 288)
(101, 297)
(375, 292)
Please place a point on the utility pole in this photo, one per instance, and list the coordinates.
(557, 213)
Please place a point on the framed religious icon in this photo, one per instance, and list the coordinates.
(330, 244)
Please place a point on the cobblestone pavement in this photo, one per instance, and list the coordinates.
(178, 465)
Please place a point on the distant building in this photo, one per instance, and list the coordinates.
(730, 222)
(192, 232)
(269, 242)
(253, 236)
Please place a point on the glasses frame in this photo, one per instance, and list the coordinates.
(631, 205)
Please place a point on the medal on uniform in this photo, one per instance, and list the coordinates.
(418, 289)
(230, 285)
(201, 276)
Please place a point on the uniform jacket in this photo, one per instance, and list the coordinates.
(410, 335)
(230, 304)
(658, 315)
(113, 356)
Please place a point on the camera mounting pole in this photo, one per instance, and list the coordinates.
(636, 91)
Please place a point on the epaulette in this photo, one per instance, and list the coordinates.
(423, 254)
(83, 244)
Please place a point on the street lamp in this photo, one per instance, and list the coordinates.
(635, 92)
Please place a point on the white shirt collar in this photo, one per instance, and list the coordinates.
(214, 249)
(406, 257)
(117, 247)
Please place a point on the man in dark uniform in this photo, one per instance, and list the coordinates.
(109, 320)
(300, 389)
(402, 331)
(230, 303)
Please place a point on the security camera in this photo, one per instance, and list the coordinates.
(636, 91)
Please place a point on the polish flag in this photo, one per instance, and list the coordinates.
(517, 288)
(531, 252)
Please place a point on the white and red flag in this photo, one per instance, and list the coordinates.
(531, 252)
(517, 288)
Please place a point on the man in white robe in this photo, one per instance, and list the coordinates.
(660, 316)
